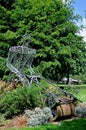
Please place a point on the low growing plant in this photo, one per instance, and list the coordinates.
(18, 100)
(2, 119)
(80, 111)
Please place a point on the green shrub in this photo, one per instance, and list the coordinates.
(3, 69)
(16, 101)
(81, 77)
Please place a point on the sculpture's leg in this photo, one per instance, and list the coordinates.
(20, 75)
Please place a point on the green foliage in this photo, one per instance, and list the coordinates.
(60, 51)
(3, 69)
(81, 77)
(53, 35)
(7, 3)
(7, 36)
(16, 101)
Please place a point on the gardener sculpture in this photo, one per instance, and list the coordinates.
(19, 61)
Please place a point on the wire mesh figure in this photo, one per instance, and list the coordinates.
(19, 61)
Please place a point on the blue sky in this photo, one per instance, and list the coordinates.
(80, 6)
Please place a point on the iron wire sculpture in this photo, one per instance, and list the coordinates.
(20, 60)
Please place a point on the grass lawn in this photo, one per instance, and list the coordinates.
(81, 95)
(78, 91)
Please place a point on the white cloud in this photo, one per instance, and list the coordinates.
(83, 34)
(84, 22)
(63, 1)
(83, 31)
(66, 1)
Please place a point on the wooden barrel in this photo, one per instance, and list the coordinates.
(64, 110)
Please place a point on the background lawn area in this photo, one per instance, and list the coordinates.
(78, 91)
